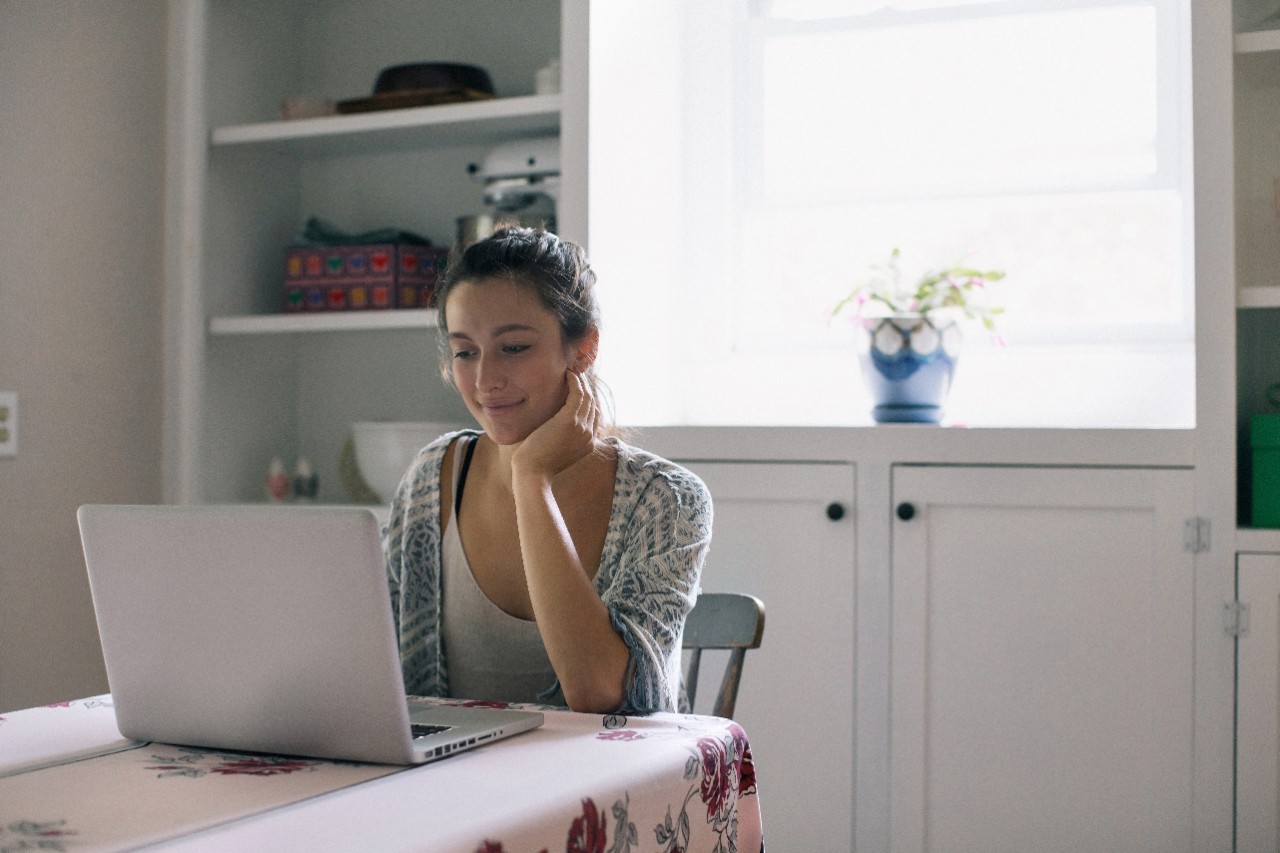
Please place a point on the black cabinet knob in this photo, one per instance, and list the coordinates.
(906, 511)
(835, 511)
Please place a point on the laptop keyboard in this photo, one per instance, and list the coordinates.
(426, 731)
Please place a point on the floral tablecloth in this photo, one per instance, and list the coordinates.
(57, 734)
(581, 782)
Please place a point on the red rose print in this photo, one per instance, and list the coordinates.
(623, 735)
(588, 833)
(746, 766)
(260, 767)
(715, 775)
(475, 703)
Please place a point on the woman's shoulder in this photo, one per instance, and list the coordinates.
(640, 468)
(424, 471)
(440, 446)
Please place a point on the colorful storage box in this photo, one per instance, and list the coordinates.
(1264, 443)
(358, 278)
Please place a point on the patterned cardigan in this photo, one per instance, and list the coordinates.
(658, 537)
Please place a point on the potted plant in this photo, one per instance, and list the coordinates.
(909, 334)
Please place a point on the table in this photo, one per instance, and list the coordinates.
(581, 782)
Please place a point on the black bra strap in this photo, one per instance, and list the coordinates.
(462, 476)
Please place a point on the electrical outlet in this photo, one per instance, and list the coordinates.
(8, 423)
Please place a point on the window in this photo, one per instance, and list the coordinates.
(1046, 138)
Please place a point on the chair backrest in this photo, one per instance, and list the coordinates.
(722, 620)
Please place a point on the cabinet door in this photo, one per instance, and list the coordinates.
(1258, 705)
(1042, 649)
(773, 538)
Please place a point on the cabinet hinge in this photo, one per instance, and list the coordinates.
(1195, 535)
(1235, 618)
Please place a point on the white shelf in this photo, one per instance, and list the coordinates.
(1263, 41)
(337, 321)
(388, 130)
(1258, 297)
(1257, 540)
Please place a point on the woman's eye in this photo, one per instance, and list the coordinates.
(506, 349)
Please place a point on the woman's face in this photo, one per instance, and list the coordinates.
(508, 357)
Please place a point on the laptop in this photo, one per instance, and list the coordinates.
(262, 629)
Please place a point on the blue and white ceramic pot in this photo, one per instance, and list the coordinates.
(908, 362)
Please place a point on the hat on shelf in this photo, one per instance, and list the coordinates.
(419, 84)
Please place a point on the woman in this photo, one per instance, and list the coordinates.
(541, 558)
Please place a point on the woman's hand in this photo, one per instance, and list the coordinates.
(566, 438)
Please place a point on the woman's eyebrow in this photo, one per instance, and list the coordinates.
(501, 330)
(513, 327)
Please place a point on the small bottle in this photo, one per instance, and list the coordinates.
(277, 482)
(305, 484)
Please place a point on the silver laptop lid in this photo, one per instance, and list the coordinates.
(255, 628)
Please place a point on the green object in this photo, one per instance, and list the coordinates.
(1264, 443)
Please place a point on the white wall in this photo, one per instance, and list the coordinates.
(81, 192)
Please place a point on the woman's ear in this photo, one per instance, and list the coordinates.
(585, 352)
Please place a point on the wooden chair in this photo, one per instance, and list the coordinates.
(722, 620)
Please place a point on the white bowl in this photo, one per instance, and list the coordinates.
(384, 450)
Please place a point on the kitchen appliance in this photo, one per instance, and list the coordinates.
(522, 181)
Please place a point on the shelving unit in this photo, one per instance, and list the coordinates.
(1256, 87)
(1257, 65)
(1256, 541)
(365, 134)
(1266, 296)
(337, 321)
(1262, 41)
(250, 382)
(393, 130)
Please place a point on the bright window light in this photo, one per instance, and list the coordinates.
(808, 10)
(1028, 138)
(793, 143)
(993, 104)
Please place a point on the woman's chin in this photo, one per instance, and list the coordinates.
(506, 435)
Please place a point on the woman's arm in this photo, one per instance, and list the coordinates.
(588, 655)
(411, 548)
(653, 578)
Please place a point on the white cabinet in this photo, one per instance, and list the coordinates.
(1258, 704)
(243, 382)
(1042, 660)
(774, 537)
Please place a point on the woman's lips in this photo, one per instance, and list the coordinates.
(499, 408)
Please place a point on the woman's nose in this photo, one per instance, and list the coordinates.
(489, 374)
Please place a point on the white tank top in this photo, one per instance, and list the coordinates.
(489, 654)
